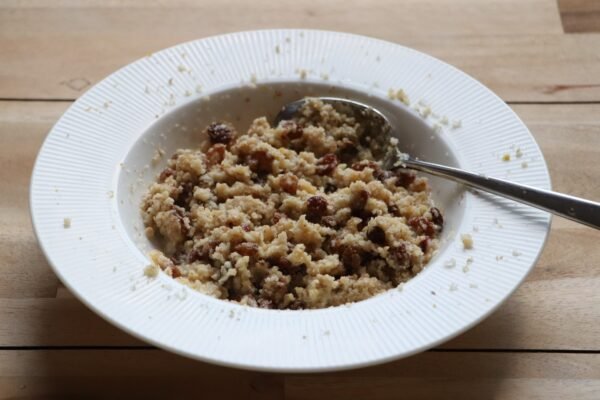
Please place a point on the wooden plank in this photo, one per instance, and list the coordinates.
(157, 374)
(58, 52)
(103, 374)
(460, 376)
(580, 15)
(552, 310)
(24, 269)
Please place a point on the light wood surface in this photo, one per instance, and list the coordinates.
(544, 343)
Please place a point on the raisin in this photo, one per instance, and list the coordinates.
(215, 154)
(359, 201)
(265, 303)
(400, 254)
(183, 222)
(175, 272)
(219, 132)
(347, 150)
(422, 225)
(293, 130)
(436, 216)
(186, 191)
(350, 257)
(260, 162)
(246, 227)
(285, 265)
(383, 174)
(247, 249)
(202, 253)
(326, 164)
(377, 235)
(277, 217)
(297, 305)
(289, 183)
(167, 172)
(404, 178)
(316, 207)
(329, 221)
(424, 244)
(361, 165)
(330, 188)
(194, 255)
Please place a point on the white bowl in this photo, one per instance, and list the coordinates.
(95, 165)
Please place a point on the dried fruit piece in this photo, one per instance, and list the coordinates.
(289, 183)
(436, 216)
(424, 244)
(422, 226)
(247, 249)
(278, 217)
(404, 178)
(293, 130)
(167, 172)
(219, 132)
(215, 155)
(347, 150)
(326, 164)
(260, 162)
(350, 257)
(175, 272)
(400, 254)
(377, 235)
(361, 165)
(316, 207)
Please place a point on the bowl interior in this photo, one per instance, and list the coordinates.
(183, 125)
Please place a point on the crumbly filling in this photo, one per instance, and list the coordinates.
(292, 216)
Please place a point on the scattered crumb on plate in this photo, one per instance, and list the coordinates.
(451, 263)
(151, 270)
(519, 153)
(67, 223)
(467, 240)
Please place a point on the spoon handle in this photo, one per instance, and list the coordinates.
(580, 210)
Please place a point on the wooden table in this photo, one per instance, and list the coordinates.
(540, 56)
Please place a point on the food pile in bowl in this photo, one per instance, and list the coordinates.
(294, 216)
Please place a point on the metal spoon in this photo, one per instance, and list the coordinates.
(377, 133)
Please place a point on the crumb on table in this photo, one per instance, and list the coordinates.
(66, 223)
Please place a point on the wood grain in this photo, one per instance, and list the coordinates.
(59, 51)
(432, 375)
(552, 310)
(579, 16)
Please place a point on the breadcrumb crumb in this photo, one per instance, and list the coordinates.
(506, 157)
(467, 241)
(451, 263)
(151, 271)
(519, 153)
(67, 223)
